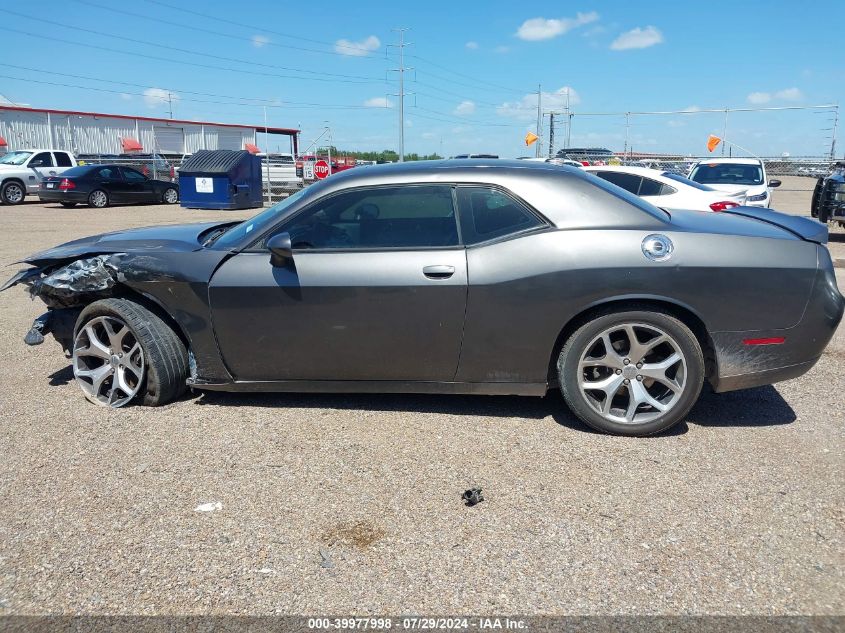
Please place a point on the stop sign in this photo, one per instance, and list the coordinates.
(321, 169)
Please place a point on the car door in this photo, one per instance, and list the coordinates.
(139, 188)
(109, 179)
(375, 290)
(40, 166)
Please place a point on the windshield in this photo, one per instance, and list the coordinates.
(258, 222)
(15, 158)
(686, 181)
(727, 174)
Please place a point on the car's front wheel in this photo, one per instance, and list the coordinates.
(634, 372)
(12, 193)
(122, 351)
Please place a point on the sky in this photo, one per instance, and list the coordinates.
(473, 69)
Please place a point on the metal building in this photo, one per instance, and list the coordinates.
(96, 133)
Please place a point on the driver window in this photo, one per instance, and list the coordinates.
(45, 158)
(383, 217)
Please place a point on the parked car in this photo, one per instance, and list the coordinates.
(553, 161)
(475, 156)
(102, 185)
(828, 203)
(363, 282)
(668, 190)
(737, 175)
(22, 171)
(587, 155)
(282, 168)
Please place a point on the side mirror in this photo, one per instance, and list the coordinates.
(774, 183)
(281, 250)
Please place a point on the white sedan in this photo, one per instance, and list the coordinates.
(667, 190)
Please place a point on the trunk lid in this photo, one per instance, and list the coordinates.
(805, 228)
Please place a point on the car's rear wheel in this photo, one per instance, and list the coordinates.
(170, 196)
(123, 352)
(98, 199)
(12, 193)
(634, 372)
(68, 205)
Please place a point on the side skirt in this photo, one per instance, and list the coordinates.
(377, 386)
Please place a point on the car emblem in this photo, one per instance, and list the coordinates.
(657, 247)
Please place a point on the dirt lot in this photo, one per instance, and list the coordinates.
(737, 511)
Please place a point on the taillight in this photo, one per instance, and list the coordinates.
(66, 184)
(723, 206)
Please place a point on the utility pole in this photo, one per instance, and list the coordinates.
(568, 119)
(551, 134)
(725, 133)
(627, 126)
(266, 158)
(833, 138)
(539, 130)
(170, 103)
(401, 70)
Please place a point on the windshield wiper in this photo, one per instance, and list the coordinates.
(215, 233)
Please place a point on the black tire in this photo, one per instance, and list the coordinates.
(164, 195)
(97, 201)
(576, 346)
(13, 192)
(165, 354)
(68, 205)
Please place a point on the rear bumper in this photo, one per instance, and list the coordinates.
(741, 366)
(61, 196)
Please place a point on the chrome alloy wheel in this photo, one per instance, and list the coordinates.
(14, 193)
(171, 196)
(108, 362)
(632, 373)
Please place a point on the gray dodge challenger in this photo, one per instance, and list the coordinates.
(468, 276)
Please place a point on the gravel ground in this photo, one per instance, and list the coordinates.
(351, 504)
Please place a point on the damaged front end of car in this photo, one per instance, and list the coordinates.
(66, 289)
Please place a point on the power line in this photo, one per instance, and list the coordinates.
(221, 33)
(354, 50)
(183, 62)
(185, 50)
(284, 105)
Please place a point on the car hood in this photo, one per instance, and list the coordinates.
(151, 239)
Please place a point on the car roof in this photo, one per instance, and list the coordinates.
(734, 161)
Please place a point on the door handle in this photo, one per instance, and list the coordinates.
(439, 272)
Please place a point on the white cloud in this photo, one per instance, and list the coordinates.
(260, 40)
(155, 97)
(378, 102)
(537, 29)
(789, 94)
(502, 49)
(472, 46)
(526, 108)
(693, 108)
(637, 38)
(357, 49)
(125, 96)
(464, 108)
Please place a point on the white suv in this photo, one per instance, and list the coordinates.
(736, 175)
